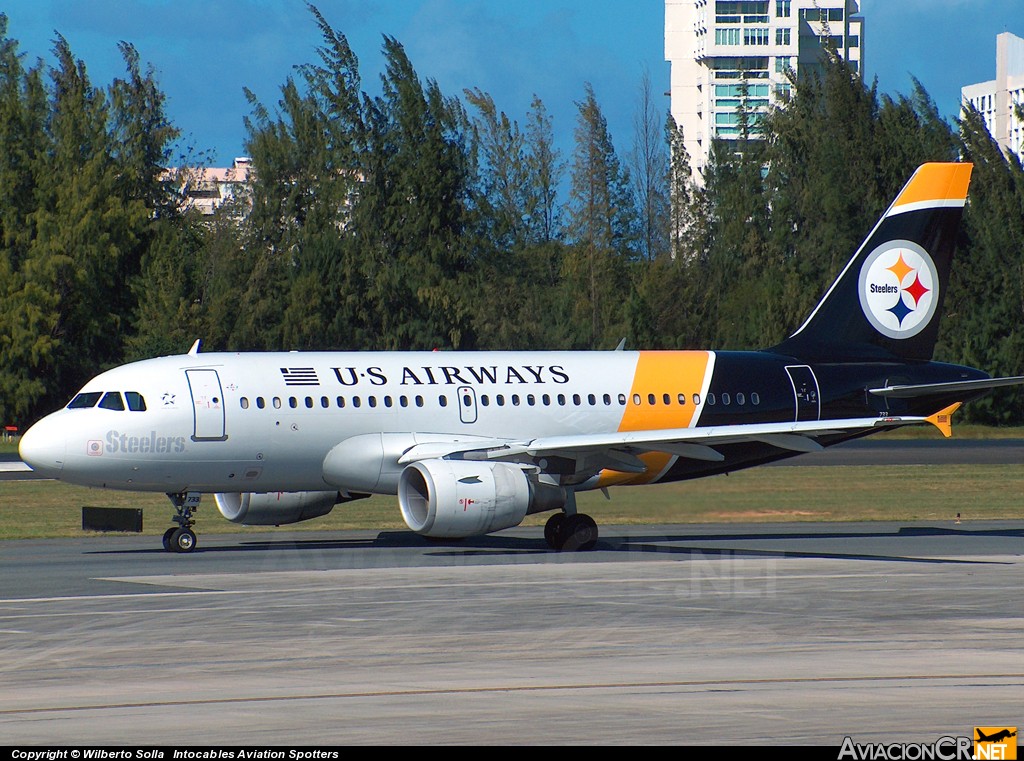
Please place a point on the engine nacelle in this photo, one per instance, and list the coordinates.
(458, 498)
(276, 508)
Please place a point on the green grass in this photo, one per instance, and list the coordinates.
(36, 509)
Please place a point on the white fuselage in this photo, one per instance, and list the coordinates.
(225, 422)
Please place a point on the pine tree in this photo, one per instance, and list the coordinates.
(601, 230)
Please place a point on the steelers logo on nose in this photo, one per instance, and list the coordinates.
(899, 289)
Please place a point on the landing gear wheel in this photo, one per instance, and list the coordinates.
(183, 540)
(579, 533)
(553, 530)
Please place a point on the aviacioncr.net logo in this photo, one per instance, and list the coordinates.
(899, 289)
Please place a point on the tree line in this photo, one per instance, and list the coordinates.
(418, 219)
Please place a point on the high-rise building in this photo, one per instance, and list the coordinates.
(999, 99)
(724, 53)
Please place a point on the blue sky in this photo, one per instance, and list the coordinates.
(206, 51)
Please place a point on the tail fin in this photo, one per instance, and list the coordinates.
(887, 302)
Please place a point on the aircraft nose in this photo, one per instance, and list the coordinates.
(44, 448)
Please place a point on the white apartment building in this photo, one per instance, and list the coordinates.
(998, 99)
(721, 51)
(207, 188)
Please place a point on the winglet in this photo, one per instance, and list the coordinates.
(943, 419)
(195, 347)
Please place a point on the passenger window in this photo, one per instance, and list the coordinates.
(341, 402)
(442, 400)
(372, 401)
(356, 401)
(546, 399)
(711, 399)
(682, 399)
(277, 402)
(388, 401)
(112, 401)
(576, 399)
(419, 401)
(309, 402)
(137, 404)
(622, 400)
(740, 399)
(515, 400)
(293, 402)
(325, 402)
(244, 402)
(607, 400)
(667, 399)
(636, 399)
(755, 399)
(260, 402)
(591, 399)
(725, 399)
(499, 399)
(485, 400)
(650, 400)
(404, 401)
(561, 400)
(696, 399)
(85, 401)
(531, 399)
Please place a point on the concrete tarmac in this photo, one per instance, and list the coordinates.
(716, 635)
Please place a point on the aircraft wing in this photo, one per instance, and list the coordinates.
(617, 450)
(928, 389)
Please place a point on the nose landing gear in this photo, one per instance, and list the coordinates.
(182, 538)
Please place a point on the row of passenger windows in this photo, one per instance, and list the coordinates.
(499, 400)
(109, 400)
(134, 401)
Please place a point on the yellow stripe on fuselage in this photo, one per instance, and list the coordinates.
(660, 373)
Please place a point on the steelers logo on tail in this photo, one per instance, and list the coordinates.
(899, 289)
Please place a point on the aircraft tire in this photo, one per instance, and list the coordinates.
(579, 533)
(183, 540)
(167, 538)
(553, 530)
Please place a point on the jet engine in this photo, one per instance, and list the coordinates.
(276, 508)
(458, 498)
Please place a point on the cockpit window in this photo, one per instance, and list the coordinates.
(112, 401)
(135, 401)
(85, 400)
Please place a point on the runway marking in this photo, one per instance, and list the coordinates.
(722, 683)
(418, 586)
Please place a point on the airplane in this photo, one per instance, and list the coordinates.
(995, 737)
(473, 442)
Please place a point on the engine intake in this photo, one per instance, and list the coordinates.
(458, 498)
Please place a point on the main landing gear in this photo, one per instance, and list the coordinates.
(570, 531)
(182, 538)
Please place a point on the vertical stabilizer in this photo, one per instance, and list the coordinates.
(887, 302)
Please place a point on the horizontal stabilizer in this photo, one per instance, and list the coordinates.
(930, 389)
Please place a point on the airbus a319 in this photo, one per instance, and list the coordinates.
(473, 442)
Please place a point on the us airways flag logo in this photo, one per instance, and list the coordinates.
(995, 743)
(300, 376)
